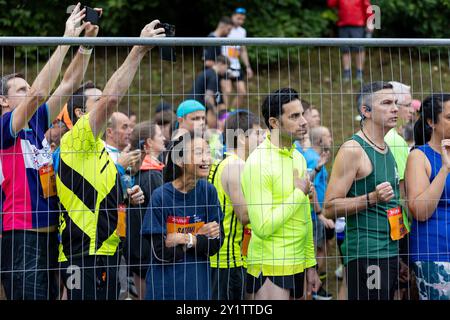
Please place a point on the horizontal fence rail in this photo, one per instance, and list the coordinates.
(129, 41)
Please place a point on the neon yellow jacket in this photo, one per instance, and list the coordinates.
(280, 215)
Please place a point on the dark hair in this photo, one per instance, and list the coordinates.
(78, 100)
(305, 104)
(430, 109)
(4, 86)
(241, 120)
(273, 104)
(141, 132)
(172, 171)
(226, 20)
(222, 59)
(367, 90)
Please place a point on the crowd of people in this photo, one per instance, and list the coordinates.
(211, 202)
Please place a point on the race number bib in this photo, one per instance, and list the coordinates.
(396, 223)
(121, 220)
(48, 180)
(246, 241)
(183, 225)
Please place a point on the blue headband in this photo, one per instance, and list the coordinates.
(186, 107)
(189, 106)
(240, 11)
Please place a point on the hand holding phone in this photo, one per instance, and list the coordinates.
(167, 53)
(92, 15)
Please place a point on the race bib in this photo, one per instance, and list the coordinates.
(183, 225)
(246, 241)
(122, 220)
(396, 223)
(48, 180)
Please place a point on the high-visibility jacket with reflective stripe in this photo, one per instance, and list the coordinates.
(89, 191)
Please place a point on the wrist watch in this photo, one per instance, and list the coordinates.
(190, 243)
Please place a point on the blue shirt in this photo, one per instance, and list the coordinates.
(430, 240)
(26, 161)
(320, 180)
(174, 211)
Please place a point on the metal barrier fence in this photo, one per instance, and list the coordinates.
(314, 67)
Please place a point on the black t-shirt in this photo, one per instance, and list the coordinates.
(211, 53)
(206, 80)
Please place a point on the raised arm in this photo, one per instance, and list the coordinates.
(25, 110)
(423, 196)
(46, 79)
(73, 76)
(120, 81)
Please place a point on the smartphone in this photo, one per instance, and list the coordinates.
(167, 53)
(92, 16)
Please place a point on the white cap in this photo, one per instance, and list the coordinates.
(401, 91)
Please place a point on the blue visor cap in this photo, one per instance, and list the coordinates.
(240, 11)
(189, 106)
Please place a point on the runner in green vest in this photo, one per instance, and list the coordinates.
(242, 135)
(364, 188)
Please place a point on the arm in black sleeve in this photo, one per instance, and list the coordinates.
(161, 252)
(209, 247)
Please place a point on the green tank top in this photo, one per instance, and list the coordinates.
(229, 255)
(367, 233)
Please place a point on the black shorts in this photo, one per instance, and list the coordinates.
(294, 283)
(228, 283)
(235, 75)
(372, 279)
(329, 233)
(351, 32)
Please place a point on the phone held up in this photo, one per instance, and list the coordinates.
(92, 16)
(167, 53)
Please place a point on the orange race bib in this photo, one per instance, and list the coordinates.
(246, 241)
(122, 220)
(233, 52)
(48, 180)
(183, 225)
(396, 223)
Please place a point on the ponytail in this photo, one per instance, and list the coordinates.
(430, 109)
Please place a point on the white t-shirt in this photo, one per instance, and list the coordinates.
(233, 52)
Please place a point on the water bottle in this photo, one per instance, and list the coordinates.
(127, 182)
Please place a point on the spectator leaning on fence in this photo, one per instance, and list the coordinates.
(148, 138)
(364, 188)
(184, 225)
(30, 210)
(210, 54)
(281, 250)
(428, 194)
(235, 73)
(206, 88)
(242, 134)
(89, 191)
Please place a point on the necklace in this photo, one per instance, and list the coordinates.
(381, 148)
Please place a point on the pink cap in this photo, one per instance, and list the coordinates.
(416, 104)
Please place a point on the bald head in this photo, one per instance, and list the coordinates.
(118, 131)
(320, 137)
